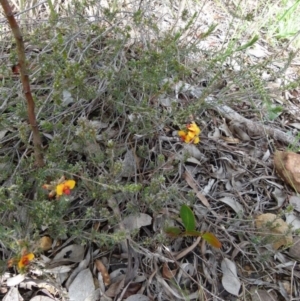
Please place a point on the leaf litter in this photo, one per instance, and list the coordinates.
(231, 172)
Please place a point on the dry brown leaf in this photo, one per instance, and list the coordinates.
(192, 183)
(231, 140)
(45, 243)
(287, 165)
(203, 199)
(286, 285)
(225, 129)
(167, 272)
(230, 279)
(132, 289)
(115, 288)
(260, 294)
(188, 249)
(271, 225)
(102, 269)
(294, 251)
(236, 129)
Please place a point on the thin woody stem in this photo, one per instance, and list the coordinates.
(37, 142)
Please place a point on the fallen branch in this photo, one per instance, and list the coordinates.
(37, 142)
(228, 113)
(254, 127)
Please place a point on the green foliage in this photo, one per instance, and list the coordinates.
(189, 222)
(188, 218)
(288, 22)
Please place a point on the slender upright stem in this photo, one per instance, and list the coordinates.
(37, 142)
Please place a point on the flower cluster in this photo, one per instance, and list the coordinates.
(25, 260)
(22, 262)
(60, 187)
(191, 134)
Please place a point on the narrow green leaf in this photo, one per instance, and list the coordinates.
(173, 231)
(248, 44)
(212, 27)
(188, 218)
(212, 240)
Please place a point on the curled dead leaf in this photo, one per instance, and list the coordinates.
(45, 243)
(169, 270)
(132, 289)
(115, 288)
(102, 269)
(274, 228)
(287, 165)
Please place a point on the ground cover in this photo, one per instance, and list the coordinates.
(145, 108)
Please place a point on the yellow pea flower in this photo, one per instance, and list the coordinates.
(65, 187)
(196, 140)
(193, 128)
(191, 135)
(59, 187)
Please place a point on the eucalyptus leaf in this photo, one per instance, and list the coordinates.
(212, 240)
(230, 280)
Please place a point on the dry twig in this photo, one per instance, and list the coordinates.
(37, 142)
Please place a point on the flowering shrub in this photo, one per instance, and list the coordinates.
(191, 134)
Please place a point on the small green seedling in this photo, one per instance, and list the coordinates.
(189, 223)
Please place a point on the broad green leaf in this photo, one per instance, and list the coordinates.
(212, 240)
(188, 218)
(173, 231)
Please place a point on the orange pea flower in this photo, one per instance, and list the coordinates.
(191, 134)
(21, 261)
(25, 260)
